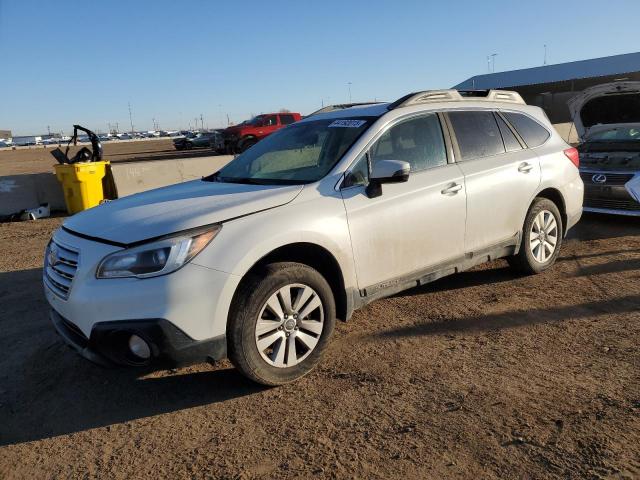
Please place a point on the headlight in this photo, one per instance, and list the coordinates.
(156, 258)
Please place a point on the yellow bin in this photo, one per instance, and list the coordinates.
(82, 184)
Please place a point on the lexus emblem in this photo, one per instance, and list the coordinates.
(599, 178)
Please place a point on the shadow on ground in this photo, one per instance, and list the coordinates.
(46, 389)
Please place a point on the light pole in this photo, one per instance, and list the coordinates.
(545, 54)
(130, 119)
(493, 62)
(349, 84)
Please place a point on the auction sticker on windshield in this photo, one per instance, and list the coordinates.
(347, 123)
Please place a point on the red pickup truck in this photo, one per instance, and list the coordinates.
(238, 138)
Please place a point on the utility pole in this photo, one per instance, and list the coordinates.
(545, 54)
(349, 84)
(130, 119)
(48, 130)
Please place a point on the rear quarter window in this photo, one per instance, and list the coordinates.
(531, 131)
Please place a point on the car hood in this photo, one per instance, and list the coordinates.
(601, 106)
(175, 208)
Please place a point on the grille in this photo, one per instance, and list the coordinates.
(612, 204)
(617, 179)
(60, 265)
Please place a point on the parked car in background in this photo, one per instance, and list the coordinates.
(216, 141)
(4, 144)
(197, 140)
(256, 261)
(239, 138)
(607, 121)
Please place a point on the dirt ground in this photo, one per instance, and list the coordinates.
(39, 159)
(481, 375)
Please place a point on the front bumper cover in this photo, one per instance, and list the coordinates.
(170, 346)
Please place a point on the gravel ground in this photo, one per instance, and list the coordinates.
(481, 375)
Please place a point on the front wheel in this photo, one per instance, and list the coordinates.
(280, 323)
(541, 238)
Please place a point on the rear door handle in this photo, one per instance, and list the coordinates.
(452, 189)
(525, 167)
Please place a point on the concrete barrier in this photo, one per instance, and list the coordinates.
(567, 131)
(19, 192)
(135, 177)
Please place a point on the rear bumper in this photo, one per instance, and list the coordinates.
(108, 343)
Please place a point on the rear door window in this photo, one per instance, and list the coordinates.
(511, 143)
(531, 131)
(286, 119)
(477, 134)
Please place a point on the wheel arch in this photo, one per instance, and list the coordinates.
(556, 197)
(318, 258)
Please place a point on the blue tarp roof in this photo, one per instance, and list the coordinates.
(596, 67)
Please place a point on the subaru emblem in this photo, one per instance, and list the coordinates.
(53, 256)
(599, 178)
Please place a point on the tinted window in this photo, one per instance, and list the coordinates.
(270, 121)
(510, 141)
(418, 141)
(477, 134)
(286, 119)
(531, 131)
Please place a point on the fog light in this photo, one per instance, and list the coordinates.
(139, 347)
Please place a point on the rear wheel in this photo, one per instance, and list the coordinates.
(280, 323)
(247, 144)
(541, 238)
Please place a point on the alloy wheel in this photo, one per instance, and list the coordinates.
(543, 236)
(289, 325)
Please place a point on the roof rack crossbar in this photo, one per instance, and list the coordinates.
(433, 96)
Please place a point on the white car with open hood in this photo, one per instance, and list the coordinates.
(607, 121)
(256, 261)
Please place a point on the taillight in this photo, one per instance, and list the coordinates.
(573, 155)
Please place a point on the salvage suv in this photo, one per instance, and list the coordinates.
(239, 138)
(256, 261)
(607, 121)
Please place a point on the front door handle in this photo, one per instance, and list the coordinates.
(452, 189)
(525, 167)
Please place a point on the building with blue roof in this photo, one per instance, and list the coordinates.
(551, 86)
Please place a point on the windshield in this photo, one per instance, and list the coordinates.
(253, 121)
(300, 153)
(618, 134)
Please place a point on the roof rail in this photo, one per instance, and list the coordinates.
(342, 106)
(433, 96)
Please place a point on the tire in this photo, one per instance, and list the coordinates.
(188, 145)
(252, 322)
(245, 145)
(535, 254)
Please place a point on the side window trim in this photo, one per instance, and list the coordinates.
(513, 130)
(449, 147)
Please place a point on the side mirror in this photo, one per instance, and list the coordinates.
(387, 171)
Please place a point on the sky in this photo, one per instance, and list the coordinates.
(66, 62)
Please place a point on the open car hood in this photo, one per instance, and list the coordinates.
(175, 208)
(615, 103)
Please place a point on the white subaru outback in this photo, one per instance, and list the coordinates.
(256, 261)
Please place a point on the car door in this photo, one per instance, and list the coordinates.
(413, 226)
(501, 177)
